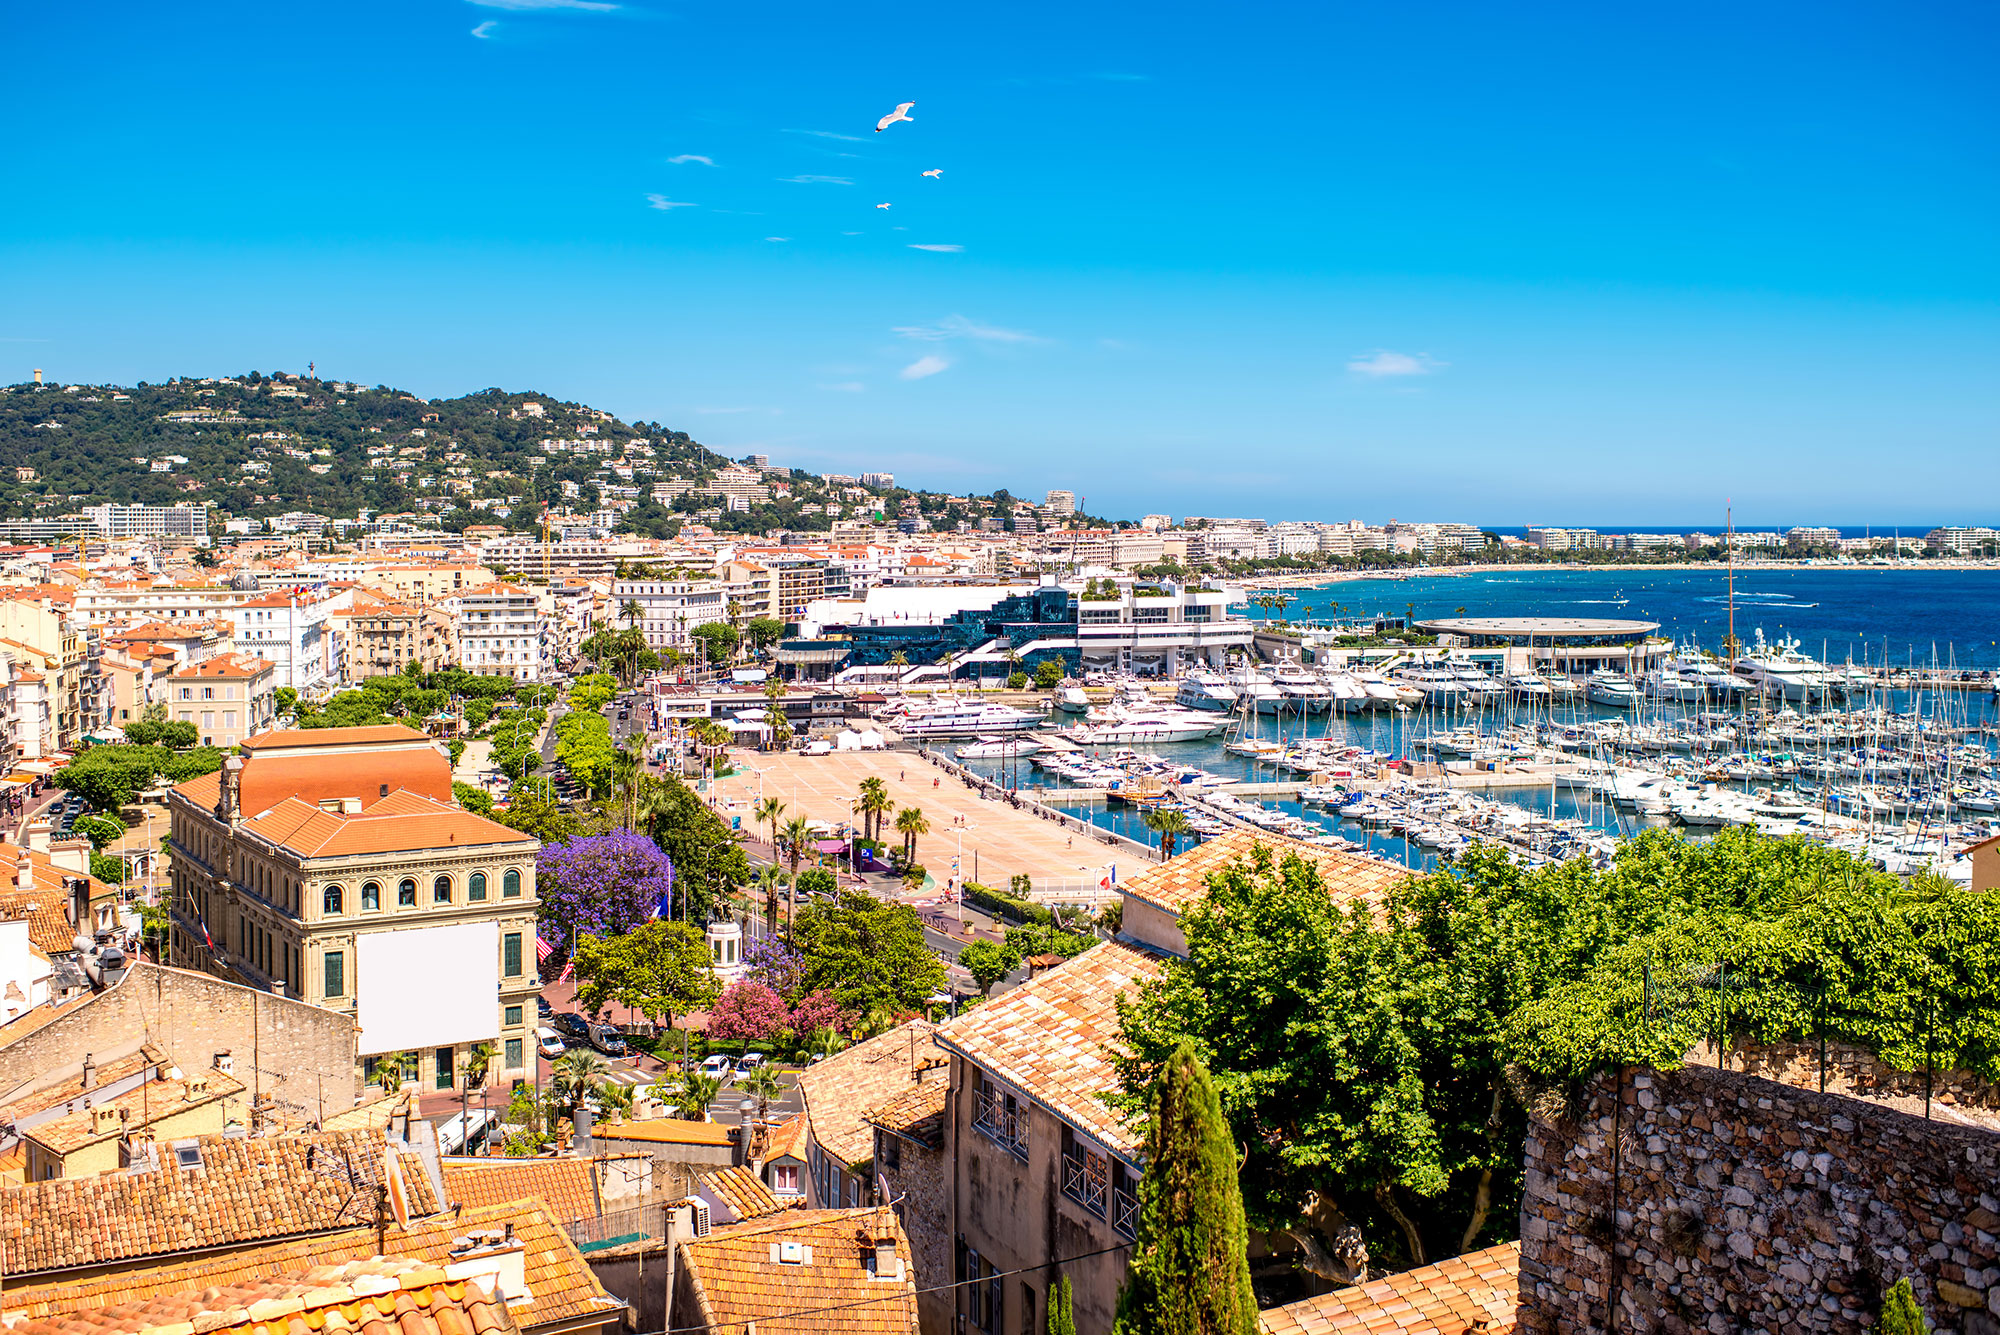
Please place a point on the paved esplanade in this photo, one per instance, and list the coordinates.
(1009, 839)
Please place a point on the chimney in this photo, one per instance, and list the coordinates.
(228, 808)
(24, 873)
(886, 1264)
(71, 855)
(37, 835)
(580, 1124)
(89, 1071)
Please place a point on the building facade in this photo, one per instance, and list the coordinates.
(501, 632)
(227, 698)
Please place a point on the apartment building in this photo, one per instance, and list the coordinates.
(333, 865)
(289, 629)
(227, 697)
(188, 523)
(38, 631)
(423, 583)
(501, 632)
(668, 609)
(381, 633)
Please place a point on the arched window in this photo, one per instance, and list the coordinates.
(475, 889)
(510, 884)
(441, 890)
(406, 894)
(371, 896)
(330, 900)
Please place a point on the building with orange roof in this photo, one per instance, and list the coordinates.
(381, 632)
(800, 1272)
(80, 1122)
(38, 631)
(227, 698)
(333, 864)
(1474, 1294)
(288, 627)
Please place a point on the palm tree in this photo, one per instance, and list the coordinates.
(766, 812)
(391, 1071)
(797, 835)
(1170, 823)
(627, 767)
(576, 1073)
(770, 880)
(655, 800)
(875, 803)
(477, 1062)
(615, 1097)
(763, 1085)
(696, 1092)
(631, 611)
(910, 823)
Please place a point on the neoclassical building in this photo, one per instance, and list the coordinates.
(332, 865)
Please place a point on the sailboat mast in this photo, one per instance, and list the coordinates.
(1729, 551)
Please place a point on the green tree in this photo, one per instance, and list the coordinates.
(1061, 1308)
(660, 969)
(574, 1075)
(763, 632)
(1171, 824)
(869, 954)
(988, 962)
(1190, 1271)
(709, 865)
(540, 816)
(100, 829)
(107, 869)
(911, 822)
(179, 735)
(1900, 1313)
(764, 1085)
(693, 1092)
(872, 805)
(1048, 674)
(766, 812)
(718, 641)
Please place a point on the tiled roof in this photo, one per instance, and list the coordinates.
(915, 1114)
(666, 1131)
(232, 666)
(1479, 1291)
(741, 1190)
(560, 1281)
(291, 737)
(840, 1090)
(369, 762)
(788, 1140)
(145, 1105)
(49, 926)
(1047, 1037)
(373, 1297)
(569, 1186)
(737, 1277)
(245, 1191)
(1178, 882)
(36, 1017)
(396, 823)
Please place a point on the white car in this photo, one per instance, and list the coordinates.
(549, 1043)
(749, 1062)
(717, 1065)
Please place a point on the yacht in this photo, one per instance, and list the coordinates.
(1530, 688)
(1070, 698)
(1386, 694)
(1719, 682)
(999, 748)
(1205, 689)
(1781, 670)
(1480, 687)
(953, 718)
(1304, 693)
(1125, 724)
(1663, 683)
(1348, 694)
(1439, 686)
(1613, 689)
(1257, 690)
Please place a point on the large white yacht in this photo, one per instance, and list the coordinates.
(1386, 694)
(1126, 724)
(1614, 689)
(1664, 683)
(1716, 679)
(956, 718)
(1205, 688)
(1438, 685)
(1781, 670)
(1256, 688)
(1304, 693)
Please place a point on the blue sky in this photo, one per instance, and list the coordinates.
(1508, 264)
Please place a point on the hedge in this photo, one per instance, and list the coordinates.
(1006, 905)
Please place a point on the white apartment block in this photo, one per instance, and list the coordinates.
(290, 630)
(502, 633)
(188, 522)
(668, 610)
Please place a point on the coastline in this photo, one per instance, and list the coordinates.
(1320, 578)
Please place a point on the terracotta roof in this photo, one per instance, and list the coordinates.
(568, 1186)
(560, 1281)
(1479, 1291)
(788, 1140)
(31, 1020)
(49, 927)
(244, 1191)
(915, 1114)
(235, 667)
(840, 1090)
(379, 1296)
(666, 1131)
(291, 737)
(737, 1276)
(276, 769)
(1047, 1037)
(397, 823)
(741, 1190)
(1178, 882)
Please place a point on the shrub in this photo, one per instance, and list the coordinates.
(1006, 905)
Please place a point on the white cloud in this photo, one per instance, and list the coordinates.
(777, 238)
(486, 29)
(684, 158)
(957, 326)
(595, 6)
(924, 366)
(948, 250)
(829, 134)
(845, 387)
(663, 204)
(1383, 364)
(816, 180)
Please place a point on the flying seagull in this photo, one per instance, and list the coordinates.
(901, 113)
(938, 172)
(881, 206)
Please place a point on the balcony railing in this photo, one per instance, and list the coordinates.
(1002, 1121)
(1086, 1180)
(1125, 1212)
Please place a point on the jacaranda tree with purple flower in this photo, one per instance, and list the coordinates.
(768, 960)
(599, 885)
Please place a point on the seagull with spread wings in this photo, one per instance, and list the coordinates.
(937, 172)
(881, 206)
(901, 113)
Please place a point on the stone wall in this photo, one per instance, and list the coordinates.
(1850, 1070)
(920, 1186)
(291, 1054)
(1736, 1204)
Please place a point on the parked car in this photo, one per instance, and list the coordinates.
(749, 1062)
(570, 1025)
(542, 1007)
(606, 1039)
(718, 1065)
(549, 1043)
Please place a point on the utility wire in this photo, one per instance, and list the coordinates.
(891, 1297)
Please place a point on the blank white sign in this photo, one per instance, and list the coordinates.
(427, 987)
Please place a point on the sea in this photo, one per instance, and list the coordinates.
(1901, 616)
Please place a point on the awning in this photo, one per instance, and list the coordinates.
(802, 654)
(831, 846)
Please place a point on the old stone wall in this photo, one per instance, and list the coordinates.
(294, 1055)
(1851, 1070)
(920, 1185)
(1725, 1202)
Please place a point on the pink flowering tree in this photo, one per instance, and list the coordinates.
(746, 1011)
(817, 1011)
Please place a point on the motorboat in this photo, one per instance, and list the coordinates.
(1205, 689)
(951, 718)
(1530, 688)
(1257, 690)
(1386, 694)
(999, 748)
(1070, 697)
(1303, 692)
(1125, 724)
(1438, 686)
(1612, 689)
(1781, 671)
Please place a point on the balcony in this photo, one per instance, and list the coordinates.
(1125, 1212)
(1001, 1120)
(1086, 1179)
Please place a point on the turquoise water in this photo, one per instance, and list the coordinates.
(1838, 615)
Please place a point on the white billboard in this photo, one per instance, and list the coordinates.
(427, 987)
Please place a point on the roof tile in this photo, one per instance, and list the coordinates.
(1477, 1292)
